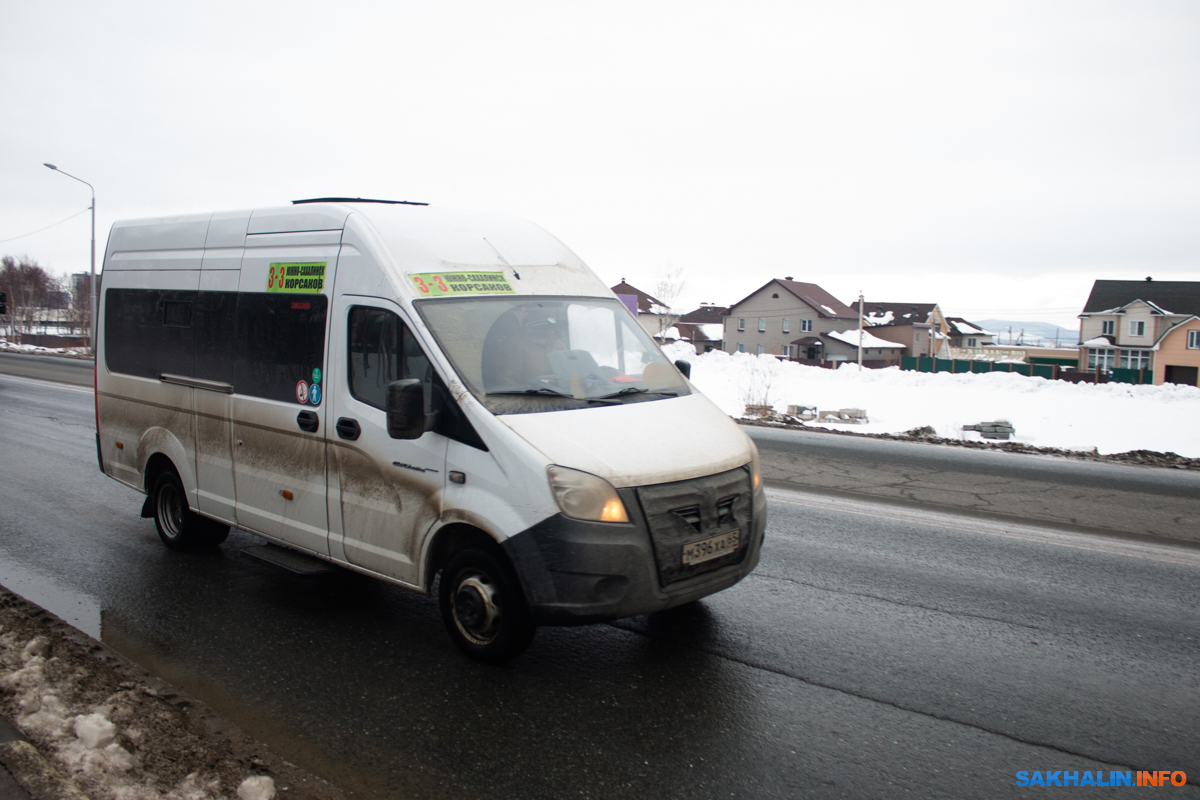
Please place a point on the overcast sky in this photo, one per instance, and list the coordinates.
(991, 157)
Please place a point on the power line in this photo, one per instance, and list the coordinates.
(48, 227)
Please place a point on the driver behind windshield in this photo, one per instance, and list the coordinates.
(514, 352)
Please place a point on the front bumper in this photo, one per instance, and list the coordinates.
(576, 572)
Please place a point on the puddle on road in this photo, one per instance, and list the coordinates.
(79, 610)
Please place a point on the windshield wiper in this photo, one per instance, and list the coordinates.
(636, 390)
(554, 393)
(539, 390)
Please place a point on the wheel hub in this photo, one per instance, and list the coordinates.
(170, 512)
(475, 608)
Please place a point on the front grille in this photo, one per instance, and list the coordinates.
(683, 512)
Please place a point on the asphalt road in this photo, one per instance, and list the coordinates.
(883, 647)
(74, 371)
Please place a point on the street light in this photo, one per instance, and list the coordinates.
(92, 285)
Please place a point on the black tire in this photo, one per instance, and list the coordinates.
(178, 526)
(483, 608)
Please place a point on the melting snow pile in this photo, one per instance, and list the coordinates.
(1110, 417)
(84, 740)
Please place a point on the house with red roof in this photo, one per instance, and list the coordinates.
(788, 319)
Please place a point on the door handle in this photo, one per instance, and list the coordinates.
(348, 428)
(308, 421)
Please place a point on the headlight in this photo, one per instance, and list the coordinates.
(582, 495)
(755, 468)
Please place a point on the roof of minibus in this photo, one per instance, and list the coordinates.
(407, 240)
(422, 240)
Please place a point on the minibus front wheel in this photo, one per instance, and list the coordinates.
(178, 526)
(483, 608)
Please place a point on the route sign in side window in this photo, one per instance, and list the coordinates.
(279, 352)
(148, 331)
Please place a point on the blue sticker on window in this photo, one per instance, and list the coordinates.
(314, 394)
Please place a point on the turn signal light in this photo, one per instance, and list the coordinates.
(614, 511)
(286, 494)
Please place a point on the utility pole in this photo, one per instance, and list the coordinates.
(860, 328)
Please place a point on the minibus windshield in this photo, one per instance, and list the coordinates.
(522, 355)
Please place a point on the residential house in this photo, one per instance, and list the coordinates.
(920, 327)
(653, 315)
(706, 325)
(786, 318)
(843, 346)
(1143, 325)
(967, 335)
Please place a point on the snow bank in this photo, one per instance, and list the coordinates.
(83, 738)
(73, 352)
(1110, 417)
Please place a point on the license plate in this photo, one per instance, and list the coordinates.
(715, 547)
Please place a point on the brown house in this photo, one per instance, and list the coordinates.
(654, 317)
(786, 318)
(705, 326)
(920, 327)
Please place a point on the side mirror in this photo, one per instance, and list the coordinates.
(685, 367)
(406, 417)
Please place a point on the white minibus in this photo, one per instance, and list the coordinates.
(409, 391)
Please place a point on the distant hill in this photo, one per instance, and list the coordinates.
(1043, 333)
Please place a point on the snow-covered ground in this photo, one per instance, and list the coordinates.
(1111, 417)
(70, 352)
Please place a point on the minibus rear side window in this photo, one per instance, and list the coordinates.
(280, 347)
(148, 332)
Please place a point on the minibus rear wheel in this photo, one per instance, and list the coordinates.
(178, 526)
(483, 608)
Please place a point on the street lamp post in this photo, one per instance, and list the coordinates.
(92, 283)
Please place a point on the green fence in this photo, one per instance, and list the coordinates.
(1062, 362)
(1038, 370)
(1132, 375)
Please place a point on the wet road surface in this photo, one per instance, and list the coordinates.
(880, 649)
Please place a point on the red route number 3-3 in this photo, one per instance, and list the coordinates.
(424, 287)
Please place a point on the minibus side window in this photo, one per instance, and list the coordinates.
(148, 331)
(280, 343)
(382, 350)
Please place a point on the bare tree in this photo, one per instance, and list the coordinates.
(28, 287)
(668, 288)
